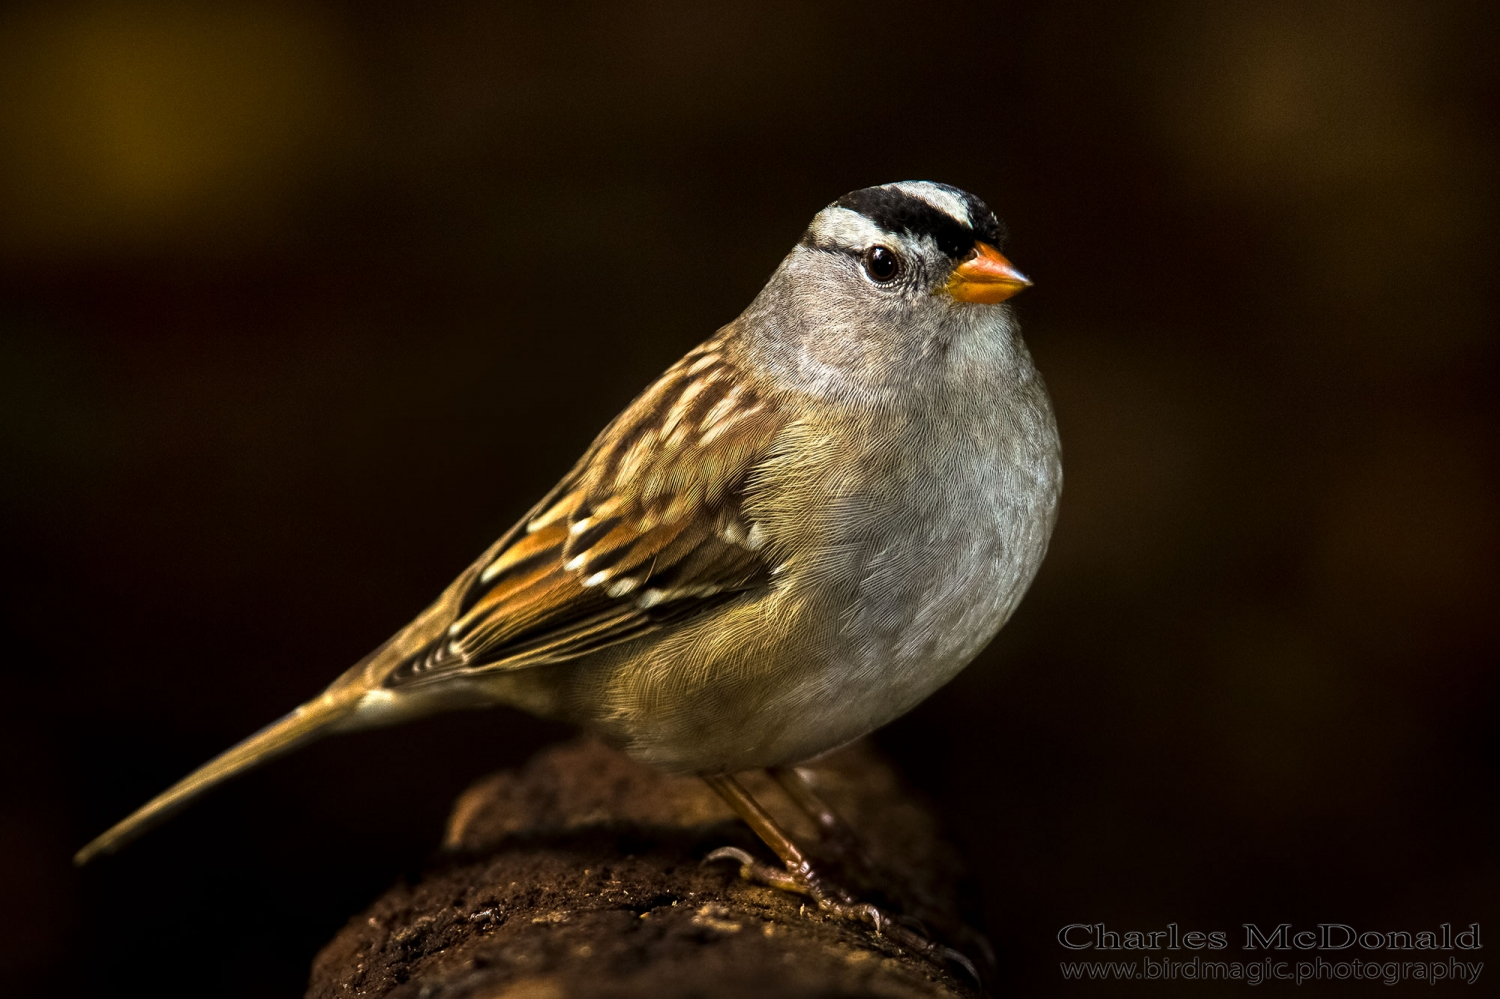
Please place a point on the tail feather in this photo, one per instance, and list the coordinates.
(308, 722)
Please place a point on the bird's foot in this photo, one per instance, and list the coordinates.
(835, 901)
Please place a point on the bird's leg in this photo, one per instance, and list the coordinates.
(800, 877)
(833, 829)
(847, 846)
(850, 847)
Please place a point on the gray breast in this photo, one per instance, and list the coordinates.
(972, 496)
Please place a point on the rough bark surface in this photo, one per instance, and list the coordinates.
(582, 875)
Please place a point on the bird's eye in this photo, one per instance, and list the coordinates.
(881, 264)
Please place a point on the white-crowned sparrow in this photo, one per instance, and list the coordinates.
(802, 529)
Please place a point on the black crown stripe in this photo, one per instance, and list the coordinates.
(897, 212)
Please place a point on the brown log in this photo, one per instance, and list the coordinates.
(582, 875)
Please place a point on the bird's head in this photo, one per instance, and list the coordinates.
(916, 239)
(885, 283)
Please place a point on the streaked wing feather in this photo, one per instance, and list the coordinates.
(647, 529)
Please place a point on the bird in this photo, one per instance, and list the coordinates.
(802, 529)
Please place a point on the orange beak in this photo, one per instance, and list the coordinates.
(986, 277)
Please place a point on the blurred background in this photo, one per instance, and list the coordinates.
(301, 304)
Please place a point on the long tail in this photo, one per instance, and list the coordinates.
(313, 719)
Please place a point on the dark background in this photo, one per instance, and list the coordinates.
(302, 305)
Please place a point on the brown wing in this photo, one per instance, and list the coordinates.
(648, 528)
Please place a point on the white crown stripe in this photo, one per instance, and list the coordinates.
(846, 227)
(944, 201)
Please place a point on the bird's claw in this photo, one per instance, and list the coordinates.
(759, 872)
(838, 903)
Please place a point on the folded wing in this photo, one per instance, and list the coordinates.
(649, 527)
